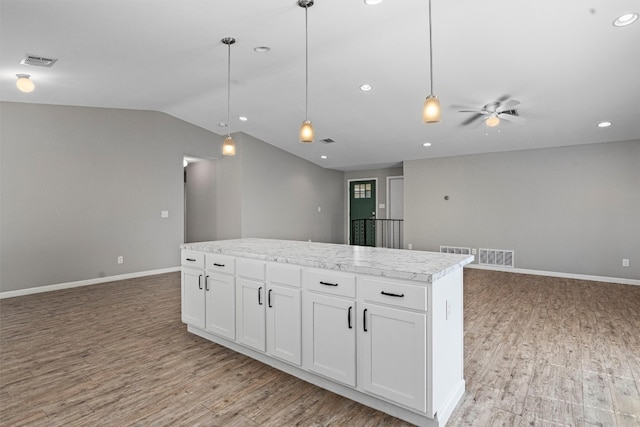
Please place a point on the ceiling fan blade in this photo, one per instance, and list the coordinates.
(472, 111)
(512, 118)
(472, 119)
(507, 106)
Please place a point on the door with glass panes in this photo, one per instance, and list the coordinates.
(362, 212)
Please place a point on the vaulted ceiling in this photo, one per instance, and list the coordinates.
(565, 61)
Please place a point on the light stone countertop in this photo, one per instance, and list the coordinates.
(394, 263)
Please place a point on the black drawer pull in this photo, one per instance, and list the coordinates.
(389, 294)
(349, 318)
(215, 264)
(191, 259)
(364, 320)
(200, 282)
(269, 298)
(328, 284)
(206, 283)
(259, 292)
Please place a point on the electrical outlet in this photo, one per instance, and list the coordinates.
(410, 246)
(164, 214)
(625, 262)
(120, 259)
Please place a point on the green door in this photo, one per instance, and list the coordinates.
(362, 212)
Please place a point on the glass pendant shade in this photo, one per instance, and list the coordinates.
(24, 84)
(306, 132)
(492, 121)
(431, 112)
(229, 146)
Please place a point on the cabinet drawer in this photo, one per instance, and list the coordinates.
(392, 293)
(250, 269)
(329, 282)
(192, 259)
(284, 274)
(221, 263)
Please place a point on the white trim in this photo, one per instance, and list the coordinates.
(620, 280)
(56, 287)
(389, 178)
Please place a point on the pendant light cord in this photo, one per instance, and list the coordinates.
(306, 64)
(430, 51)
(229, 92)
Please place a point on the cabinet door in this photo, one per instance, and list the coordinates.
(221, 303)
(284, 323)
(193, 303)
(250, 321)
(393, 354)
(329, 337)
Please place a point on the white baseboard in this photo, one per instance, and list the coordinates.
(605, 279)
(56, 287)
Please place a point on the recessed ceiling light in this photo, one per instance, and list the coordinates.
(604, 124)
(372, 2)
(365, 87)
(323, 157)
(243, 118)
(426, 144)
(626, 19)
(261, 49)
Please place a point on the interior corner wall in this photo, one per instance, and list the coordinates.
(281, 194)
(81, 186)
(571, 209)
(200, 200)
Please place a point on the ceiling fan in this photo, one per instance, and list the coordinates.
(493, 112)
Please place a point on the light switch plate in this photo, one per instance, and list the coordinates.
(164, 214)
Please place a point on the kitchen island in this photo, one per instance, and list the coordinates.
(379, 326)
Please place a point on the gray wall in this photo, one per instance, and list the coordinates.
(572, 209)
(200, 201)
(82, 186)
(281, 194)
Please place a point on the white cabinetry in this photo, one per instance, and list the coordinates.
(329, 325)
(250, 304)
(392, 342)
(284, 313)
(192, 289)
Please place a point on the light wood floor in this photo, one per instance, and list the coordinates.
(538, 351)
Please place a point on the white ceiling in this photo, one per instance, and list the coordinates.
(563, 60)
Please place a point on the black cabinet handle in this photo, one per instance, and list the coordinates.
(191, 259)
(200, 282)
(328, 284)
(389, 294)
(364, 320)
(269, 298)
(349, 318)
(259, 292)
(215, 264)
(206, 283)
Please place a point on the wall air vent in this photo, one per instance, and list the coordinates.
(496, 257)
(327, 141)
(455, 250)
(38, 61)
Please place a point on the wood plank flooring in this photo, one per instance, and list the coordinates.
(538, 351)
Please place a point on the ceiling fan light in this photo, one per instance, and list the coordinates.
(306, 132)
(24, 83)
(229, 147)
(431, 112)
(492, 121)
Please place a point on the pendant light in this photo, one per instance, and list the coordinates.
(431, 112)
(229, 145)
(306, 130)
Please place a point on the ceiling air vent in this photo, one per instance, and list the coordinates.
(327, 141)
(38, 61)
